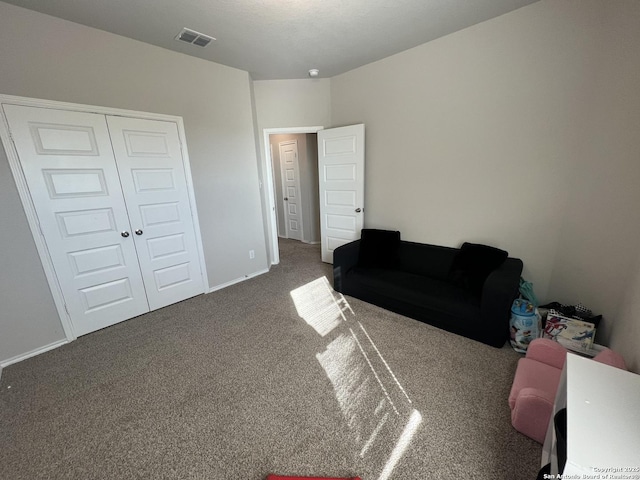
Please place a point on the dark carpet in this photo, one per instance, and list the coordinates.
(278, 374)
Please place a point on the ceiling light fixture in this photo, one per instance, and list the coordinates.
(314, 72)
(195, 38)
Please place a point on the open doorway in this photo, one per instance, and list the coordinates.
(305, 210)
(295, 169)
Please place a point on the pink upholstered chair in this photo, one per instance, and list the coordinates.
(536, 381)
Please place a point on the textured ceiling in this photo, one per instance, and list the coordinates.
(276, 39)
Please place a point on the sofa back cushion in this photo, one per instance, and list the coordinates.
(473, 264)
(609, 357)
(432, 261)
(378, 248)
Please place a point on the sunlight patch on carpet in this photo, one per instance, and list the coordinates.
(316, 304)
(403, 442)
(374, 404)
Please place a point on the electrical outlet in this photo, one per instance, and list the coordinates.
(252, 254)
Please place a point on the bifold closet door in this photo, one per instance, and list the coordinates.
(71, 173)
(149, 159)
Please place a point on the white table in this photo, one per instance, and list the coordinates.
(603, 421)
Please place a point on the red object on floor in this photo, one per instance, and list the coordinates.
(280, 477)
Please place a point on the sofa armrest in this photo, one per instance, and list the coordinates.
(345, 257)
(611, 358)
(545, 350)
(499, 290)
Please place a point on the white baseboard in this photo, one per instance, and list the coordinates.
(32, 353)
(237, 280)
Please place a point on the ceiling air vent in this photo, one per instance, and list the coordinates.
(195, 38)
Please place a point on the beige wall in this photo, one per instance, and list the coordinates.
(293, 103)
(601, 223)
(287, 104)
(28, 317)
(624, 332)
(520, 132)
(60, 60)
(468, 136)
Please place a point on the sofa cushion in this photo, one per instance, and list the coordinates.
(378, 248)
(473, 263)
(420, 291)
(431, 261)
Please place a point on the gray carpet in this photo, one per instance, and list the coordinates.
(236, 384)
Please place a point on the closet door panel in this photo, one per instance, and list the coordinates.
(149, 159)
(70, 169)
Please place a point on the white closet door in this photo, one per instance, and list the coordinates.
(149, 160)
(71, 173)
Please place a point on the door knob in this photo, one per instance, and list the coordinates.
(358, 210)
(286, 199)
(138, 232)
(125, 234)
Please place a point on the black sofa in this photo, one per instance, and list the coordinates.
(458, 290)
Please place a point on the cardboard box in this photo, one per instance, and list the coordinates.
(572, 333)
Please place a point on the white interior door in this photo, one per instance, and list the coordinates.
(149, 159)
(72, 177)
(291, 189)
(341, 170)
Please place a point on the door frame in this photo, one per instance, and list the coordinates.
(282, 181)
(29, 209)
(270, 191)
